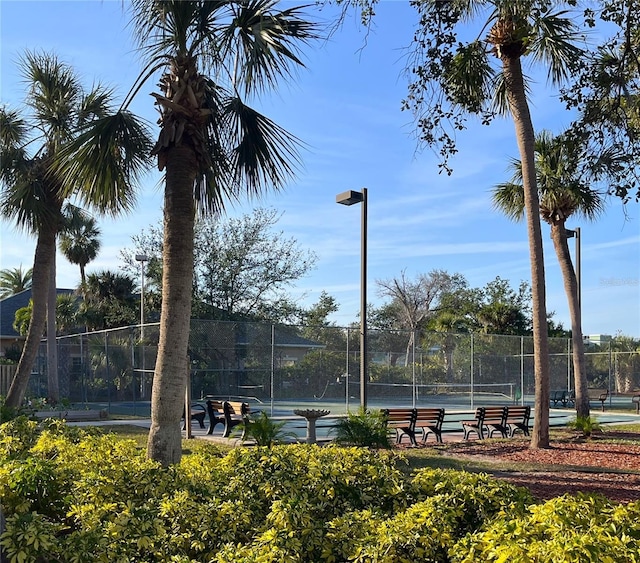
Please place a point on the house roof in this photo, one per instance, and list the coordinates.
(9, 306)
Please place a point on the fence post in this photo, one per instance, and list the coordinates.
(187, 402)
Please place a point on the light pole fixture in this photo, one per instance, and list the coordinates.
(352, 197)
(142, 258)
(571, 233)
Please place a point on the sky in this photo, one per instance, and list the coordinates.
(346, 108)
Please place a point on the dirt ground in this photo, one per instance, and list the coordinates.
(570, 465)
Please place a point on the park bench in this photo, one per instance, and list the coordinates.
(429, 420)
(235, 412)
(487, 421)
(402, 420)
(598, 395)
(518, 419)
(563, 397)
(198, 412)
(215, 412)
(73, 415)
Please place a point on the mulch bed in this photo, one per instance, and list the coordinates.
(570, 465)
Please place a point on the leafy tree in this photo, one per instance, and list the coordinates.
(14, 280)
(212, 147)
(66, 314)
(79, 239)
(453, 76)
(109, 301)
(242, 267)
(317, 326)
(605, 93)
(33, 150)
(562, 195)
(415, 301)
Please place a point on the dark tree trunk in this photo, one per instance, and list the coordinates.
(516, 95)
(559, 237)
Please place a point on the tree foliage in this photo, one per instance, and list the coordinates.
(14, 280)
(243, 267)
(605, 94)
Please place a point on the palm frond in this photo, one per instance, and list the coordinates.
(29, 200)
(266, 42)
(54, 92)
(263, 154)
(105, 160)
(508, 197)
(555, 42)
(96, 104)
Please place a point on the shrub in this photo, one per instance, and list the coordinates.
(77, 497)
(364, 428)
(584, 528)
(585, 424)
(263, 430)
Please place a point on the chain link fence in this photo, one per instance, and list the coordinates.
(283, 366)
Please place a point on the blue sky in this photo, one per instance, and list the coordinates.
(346, 108)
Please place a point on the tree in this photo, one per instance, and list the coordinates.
(14, 280)
(109, 301)
(212, 147)
(66, 314)
(562, 194)
(79, 239)
(242, 266)
(36, 184)
(605, 93)
(452, 78)
(415, 301)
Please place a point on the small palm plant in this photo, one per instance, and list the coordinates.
(264, 430)
(364, 428)
(585, 424)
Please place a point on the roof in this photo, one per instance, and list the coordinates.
(9, 306)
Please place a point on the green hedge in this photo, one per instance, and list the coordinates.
(74, 496)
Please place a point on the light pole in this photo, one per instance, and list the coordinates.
(142, 258)
(571, 234)
(352, 197)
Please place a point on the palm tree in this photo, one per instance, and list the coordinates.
(35, 187)
(14, 280)
(457, 77)
(212, 147)
(562, 195)
(79, 239)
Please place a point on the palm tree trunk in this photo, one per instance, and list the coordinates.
(516, 95)
(559, 237)
(169, 382)
(45, 250)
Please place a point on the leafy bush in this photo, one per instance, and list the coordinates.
(69, 495)
(584, 528)
(364, 428)
(585, 424)
(263, 430)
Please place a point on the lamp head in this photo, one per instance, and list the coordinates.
(349, 197)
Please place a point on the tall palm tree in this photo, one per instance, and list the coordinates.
(212, 147)
(35, 188)
(14, 280)
(79, 239)
(562, 195)
(454, 75)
